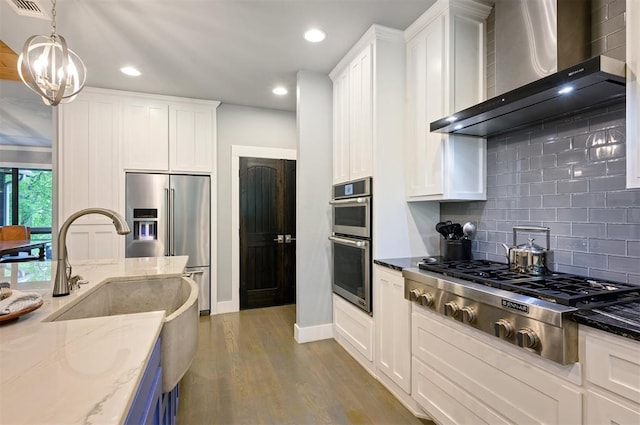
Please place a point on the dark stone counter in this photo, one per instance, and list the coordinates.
(399, 263)
(621, 319)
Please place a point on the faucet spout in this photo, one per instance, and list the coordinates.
(61, 281)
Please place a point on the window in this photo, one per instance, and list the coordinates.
(26, 199)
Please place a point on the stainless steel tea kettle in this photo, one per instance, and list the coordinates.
(528, 257)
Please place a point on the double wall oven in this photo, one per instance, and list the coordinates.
(351, 242)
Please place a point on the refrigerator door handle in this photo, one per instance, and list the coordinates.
(167, 201)
(172, 198)
(192, 273)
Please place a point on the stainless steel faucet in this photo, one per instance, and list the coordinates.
(61, 281)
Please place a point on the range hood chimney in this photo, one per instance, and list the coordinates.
(535, 39)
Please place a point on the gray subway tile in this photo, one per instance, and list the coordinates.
(487, 224)
(507, 155)
(572, 214)
(608, 275)
(590, 260)
(573, 244)
(565, 268)
(518, 215)
(617, 166)
(549, 201)
(562, 257)
(633, 279)
(531, 176)
(572, 128)
(624, 264)
(590, 170)
(497, 237)
(607, 184)
(579, 141)
(607, 215)
(616, 7)
(558, 173)
(488, 247)
(633, 249)
(624, 198)
(556, 145)
(505, 226)
(618, 53)
(506, 203)
(529, 202)
(572, 186)
(633, 215)
(623, 231)
(542, 188)
(559, 228)
(543, 214)
(616, 39)
(605, 246)
(573, 157)
(588, 200)
(542, 162)
(607, 120)
(591, 230)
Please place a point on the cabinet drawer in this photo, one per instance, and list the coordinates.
(353, 325)
(603, 409)
(614, 364)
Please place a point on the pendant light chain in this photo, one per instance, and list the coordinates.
(53, 18)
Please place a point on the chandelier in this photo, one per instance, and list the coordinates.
(49, 68)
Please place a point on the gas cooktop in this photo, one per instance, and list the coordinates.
(561, 288)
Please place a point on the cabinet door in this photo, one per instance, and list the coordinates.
(361, 114)
(191, 137)
(341, 128)
(393, 327)
(609, 409)
(145, 134)
(426, 63)
(88, 173)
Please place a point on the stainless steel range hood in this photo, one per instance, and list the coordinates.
(594, 83)
(534, 39)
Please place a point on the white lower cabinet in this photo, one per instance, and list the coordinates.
(458, 379)
(393, 327)
(353, 329)
(612, 377)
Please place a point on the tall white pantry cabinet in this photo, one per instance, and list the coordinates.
(104, 133)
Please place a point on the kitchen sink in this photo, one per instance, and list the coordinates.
(177, 296)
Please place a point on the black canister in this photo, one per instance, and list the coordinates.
(457, 249)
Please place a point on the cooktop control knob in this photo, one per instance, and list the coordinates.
(503, 329)
(451, 309)
(414, 294)
(425, 299)
(468, 314)
(527, 338)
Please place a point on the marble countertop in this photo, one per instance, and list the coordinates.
(621, 319)
(75, 371)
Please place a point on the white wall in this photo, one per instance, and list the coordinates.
(313, 215)
(245, 126)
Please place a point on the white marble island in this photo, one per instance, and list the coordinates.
(75, 371)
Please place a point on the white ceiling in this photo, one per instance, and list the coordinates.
(233, 51)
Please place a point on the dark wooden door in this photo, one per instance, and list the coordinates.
(267, 212)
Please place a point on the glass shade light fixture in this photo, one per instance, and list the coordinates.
(49, 68)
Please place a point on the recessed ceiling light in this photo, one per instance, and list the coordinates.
(131, 71)
(315, 35)
(280, 91)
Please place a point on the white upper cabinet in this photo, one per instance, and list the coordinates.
(633, 94)
(363, 82)
(445, 73)
(192, 136)
(145, 134)
(163, 134)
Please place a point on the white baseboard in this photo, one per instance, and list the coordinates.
(226, 307)
(312, 333)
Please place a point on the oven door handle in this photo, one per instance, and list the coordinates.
(362, 200)
(351, 242)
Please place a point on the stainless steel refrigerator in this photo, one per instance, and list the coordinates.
(170, 214)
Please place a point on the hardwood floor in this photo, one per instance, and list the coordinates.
(250, 370)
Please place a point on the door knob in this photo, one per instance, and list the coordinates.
(279, 239)
(288, 239)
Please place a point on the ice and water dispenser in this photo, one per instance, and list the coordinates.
(145, 224)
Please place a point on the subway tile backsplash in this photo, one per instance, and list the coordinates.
(568, 175)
